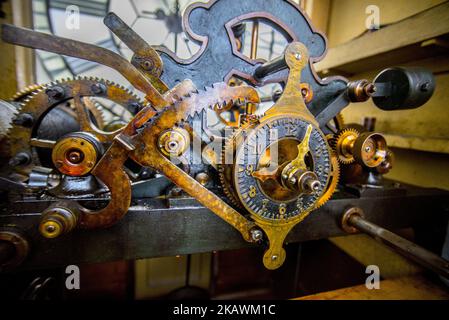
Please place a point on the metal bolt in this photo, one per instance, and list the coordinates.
(173, 146)
(50, 228)
(274, 257)
(304, 92)
(316, 185)
(367, 149)
(370, 89)
(55, 92)
(312, 185)
(147, 65)
(298, 56)
(256, 235)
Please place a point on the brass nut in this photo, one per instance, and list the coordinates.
(307, 92)
(174, 142)
(202, 178)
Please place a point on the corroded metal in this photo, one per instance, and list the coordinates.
(276, 210)
(278, 194)
(23, 138)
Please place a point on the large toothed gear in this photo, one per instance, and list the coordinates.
(30, 133)
(343, 145)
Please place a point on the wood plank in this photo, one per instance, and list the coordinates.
(418, 143)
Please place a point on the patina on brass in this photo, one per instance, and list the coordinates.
(76, 154)
(292, 165)
(57, 220)
(150, 156)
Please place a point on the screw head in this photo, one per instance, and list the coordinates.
(298, 56)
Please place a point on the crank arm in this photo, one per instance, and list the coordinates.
(38, 40)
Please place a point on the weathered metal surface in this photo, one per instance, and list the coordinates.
(306, 99)
(37, 40)
(149, 155)
(151, 229)
(43, 100)
(211, 24)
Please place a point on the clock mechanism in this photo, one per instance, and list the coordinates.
(226, 109)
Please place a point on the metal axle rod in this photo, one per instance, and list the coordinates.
(353, 221)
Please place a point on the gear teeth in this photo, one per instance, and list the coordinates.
(226, 185)
(13, 139)
(212, 99)
(327, 195)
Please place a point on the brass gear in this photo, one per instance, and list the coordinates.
(333, 182)
(342, 143)
(225, 171)
(20, 96)
(25, 92)
(39, 102)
